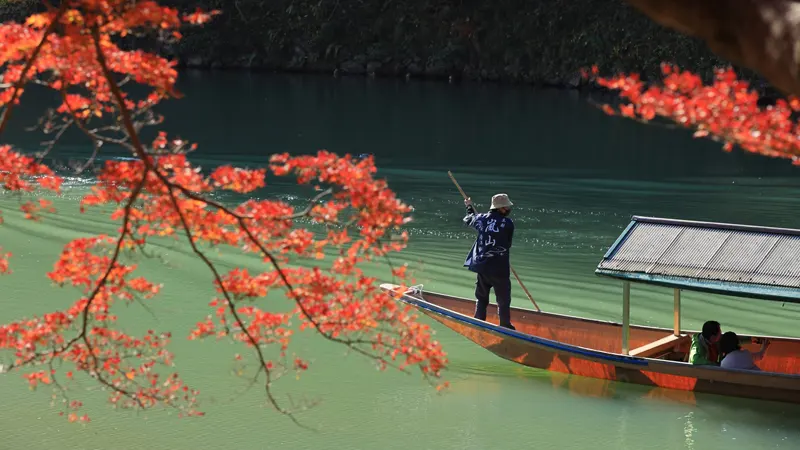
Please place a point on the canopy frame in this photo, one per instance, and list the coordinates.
(721, 258)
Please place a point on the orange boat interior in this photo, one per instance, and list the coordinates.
(646, 342)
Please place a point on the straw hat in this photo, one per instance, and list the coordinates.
(501, 201)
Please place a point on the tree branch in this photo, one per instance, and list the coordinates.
(140, 152)
(763, 35)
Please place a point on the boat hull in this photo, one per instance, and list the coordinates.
(550, 341)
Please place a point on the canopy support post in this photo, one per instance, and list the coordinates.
(626, 316)
(677, 312)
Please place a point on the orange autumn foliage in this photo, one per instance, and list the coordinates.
(726, 110)
(72, 49)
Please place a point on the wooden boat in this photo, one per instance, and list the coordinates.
(755, 262)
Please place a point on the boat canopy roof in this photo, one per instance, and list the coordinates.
(730, 259)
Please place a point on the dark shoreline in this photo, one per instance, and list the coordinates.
(542, 44)
(583, 87)
(574, 83)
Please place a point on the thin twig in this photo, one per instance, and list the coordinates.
(51, 143)
(669, 126)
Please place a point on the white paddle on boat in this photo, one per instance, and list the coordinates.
(512, 269)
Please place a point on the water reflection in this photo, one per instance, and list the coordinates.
(719, 413)
(623, 427)
(689, 429)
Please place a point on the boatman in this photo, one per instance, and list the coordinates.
(489, 257)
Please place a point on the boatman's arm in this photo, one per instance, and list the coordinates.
(470, 207)
(469, 219)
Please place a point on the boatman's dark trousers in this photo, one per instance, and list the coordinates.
(502, 293)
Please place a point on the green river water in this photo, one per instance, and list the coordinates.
(576, 177)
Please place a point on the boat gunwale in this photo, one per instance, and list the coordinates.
(597, 321)
(424, 304)
(593, 354)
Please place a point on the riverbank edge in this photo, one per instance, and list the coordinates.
(575, 83)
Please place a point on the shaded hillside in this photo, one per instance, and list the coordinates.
(541, 42)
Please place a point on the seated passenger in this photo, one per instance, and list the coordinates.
(735, 357)
(705, 345)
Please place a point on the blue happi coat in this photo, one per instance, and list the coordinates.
(490, 252)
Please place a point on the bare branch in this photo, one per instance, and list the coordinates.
(668, 126)
(51, 143)
(763, 35)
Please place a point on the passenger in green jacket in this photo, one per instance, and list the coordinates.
(705, 345)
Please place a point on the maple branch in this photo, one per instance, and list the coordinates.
(139, 150)
(309, 208)
(58, 385)
(94, 371)
(229, 300)
(95, 151)
(125, 117)
(97, 140)
(668, 126)
(267, 254)
(83, 63)
(112, 263)
(175, 188)
(726, 110)
(351, 344)
(51, 143)
(23, 79)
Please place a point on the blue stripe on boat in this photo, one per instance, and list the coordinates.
(525, 337)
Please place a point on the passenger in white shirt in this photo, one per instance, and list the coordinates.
(735, 357)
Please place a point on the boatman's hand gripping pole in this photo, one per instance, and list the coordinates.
(512, 269)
